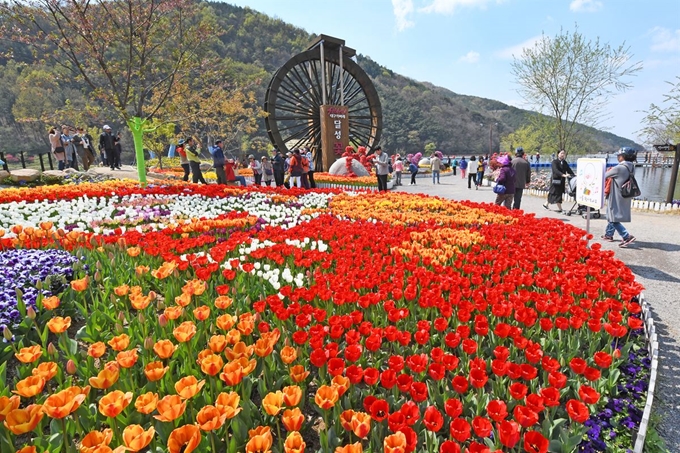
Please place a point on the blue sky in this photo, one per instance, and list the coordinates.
(467, 45)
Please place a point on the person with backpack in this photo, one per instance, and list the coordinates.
(618, 206)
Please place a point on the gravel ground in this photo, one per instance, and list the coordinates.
(654, 258)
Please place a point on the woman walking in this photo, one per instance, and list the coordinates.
(560, 171)
(183, 160)
(398, 169)
(472, 172)
(267, 171)
(481, 168)
(57, 148)
(618, 208)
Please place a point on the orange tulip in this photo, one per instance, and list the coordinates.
(246, 324)
(113, 403)
(8, 404)
(292, 419)
(351, 448)
(132, 252)
(233, 337)
(185, 331)
(29, 354)
(210, 418)
(59, 324)
(202, 313)
(121, 290)
(223, 302)
(228, 403)
(326, 397)
(261, 440)
(226, 321)
(232, 373)
(361, 424)
(164, 349)
(61, 404)
(146, 403)
(395, 443)
(141, 270)
(30, 386)
(194, 287)
(217, 343)
(140, 302)
(239, 350)
(46, 226)
(288, 354)
(263, 347)
(21, 421)
(211, 364)
(50, 303)
(292, 395)
(294, 443)
(298, 373)
(247, 366)
(127, 359)
(47, 370)
(273, 402)
(96, 350)
(106, 377)
(28, 449)
(346, 419)
(166, 269)
(155, 371)
(188, 387)
(80, 285)
(184, 439)
(183, 300)
(170, 408)
(94, 439)
(173, 312)
(135, 438)
(341, 383)
(120, 343)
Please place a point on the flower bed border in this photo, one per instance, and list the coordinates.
(653, 347)
(640, 205)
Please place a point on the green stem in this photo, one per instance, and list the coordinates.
(64, 436)
(212, 442)
(114, 426)
(278, 434)
(8, 439)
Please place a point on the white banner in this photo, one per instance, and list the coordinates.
(590, 182)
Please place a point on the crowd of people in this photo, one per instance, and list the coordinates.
(74, 147)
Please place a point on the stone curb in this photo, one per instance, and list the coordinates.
(638, 205)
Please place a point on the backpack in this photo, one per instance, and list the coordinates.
(630, 188)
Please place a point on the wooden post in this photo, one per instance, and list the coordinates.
(49, 159)
(42, 164)
(23, 160)
(674, 175)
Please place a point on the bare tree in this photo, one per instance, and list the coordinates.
(131, 53)
(572, 79)
(662, 122)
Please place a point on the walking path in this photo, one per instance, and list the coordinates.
(654, 258)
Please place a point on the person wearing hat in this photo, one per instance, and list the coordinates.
(107, 145)
(279, 165)
(218, 162)
(522, 176)
(506, 177)
(267, 171)
(618, 207)
(256, 167)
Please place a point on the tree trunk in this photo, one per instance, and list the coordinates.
(136, 127)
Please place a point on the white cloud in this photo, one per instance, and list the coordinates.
(448, 6)
(470, 57)
(585, 6)
(402, 9)
(665, 40)
(516, 50)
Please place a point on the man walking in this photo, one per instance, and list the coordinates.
(435, 166)
(522, 175)
(107, 143)
(382, 166)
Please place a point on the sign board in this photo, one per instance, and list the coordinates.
(665, 148)
(334, 133)
(590, 182)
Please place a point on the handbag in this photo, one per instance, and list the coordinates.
(268, 172)
(557, 182)
(499, 189)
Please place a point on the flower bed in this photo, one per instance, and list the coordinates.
(221, 319)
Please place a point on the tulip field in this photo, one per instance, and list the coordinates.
(184, 318)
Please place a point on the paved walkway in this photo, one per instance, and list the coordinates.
(654, 259)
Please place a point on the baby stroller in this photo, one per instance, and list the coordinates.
(578, 208)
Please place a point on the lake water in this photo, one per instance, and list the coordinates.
(653, 181)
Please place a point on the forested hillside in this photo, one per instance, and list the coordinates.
(36, 94)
